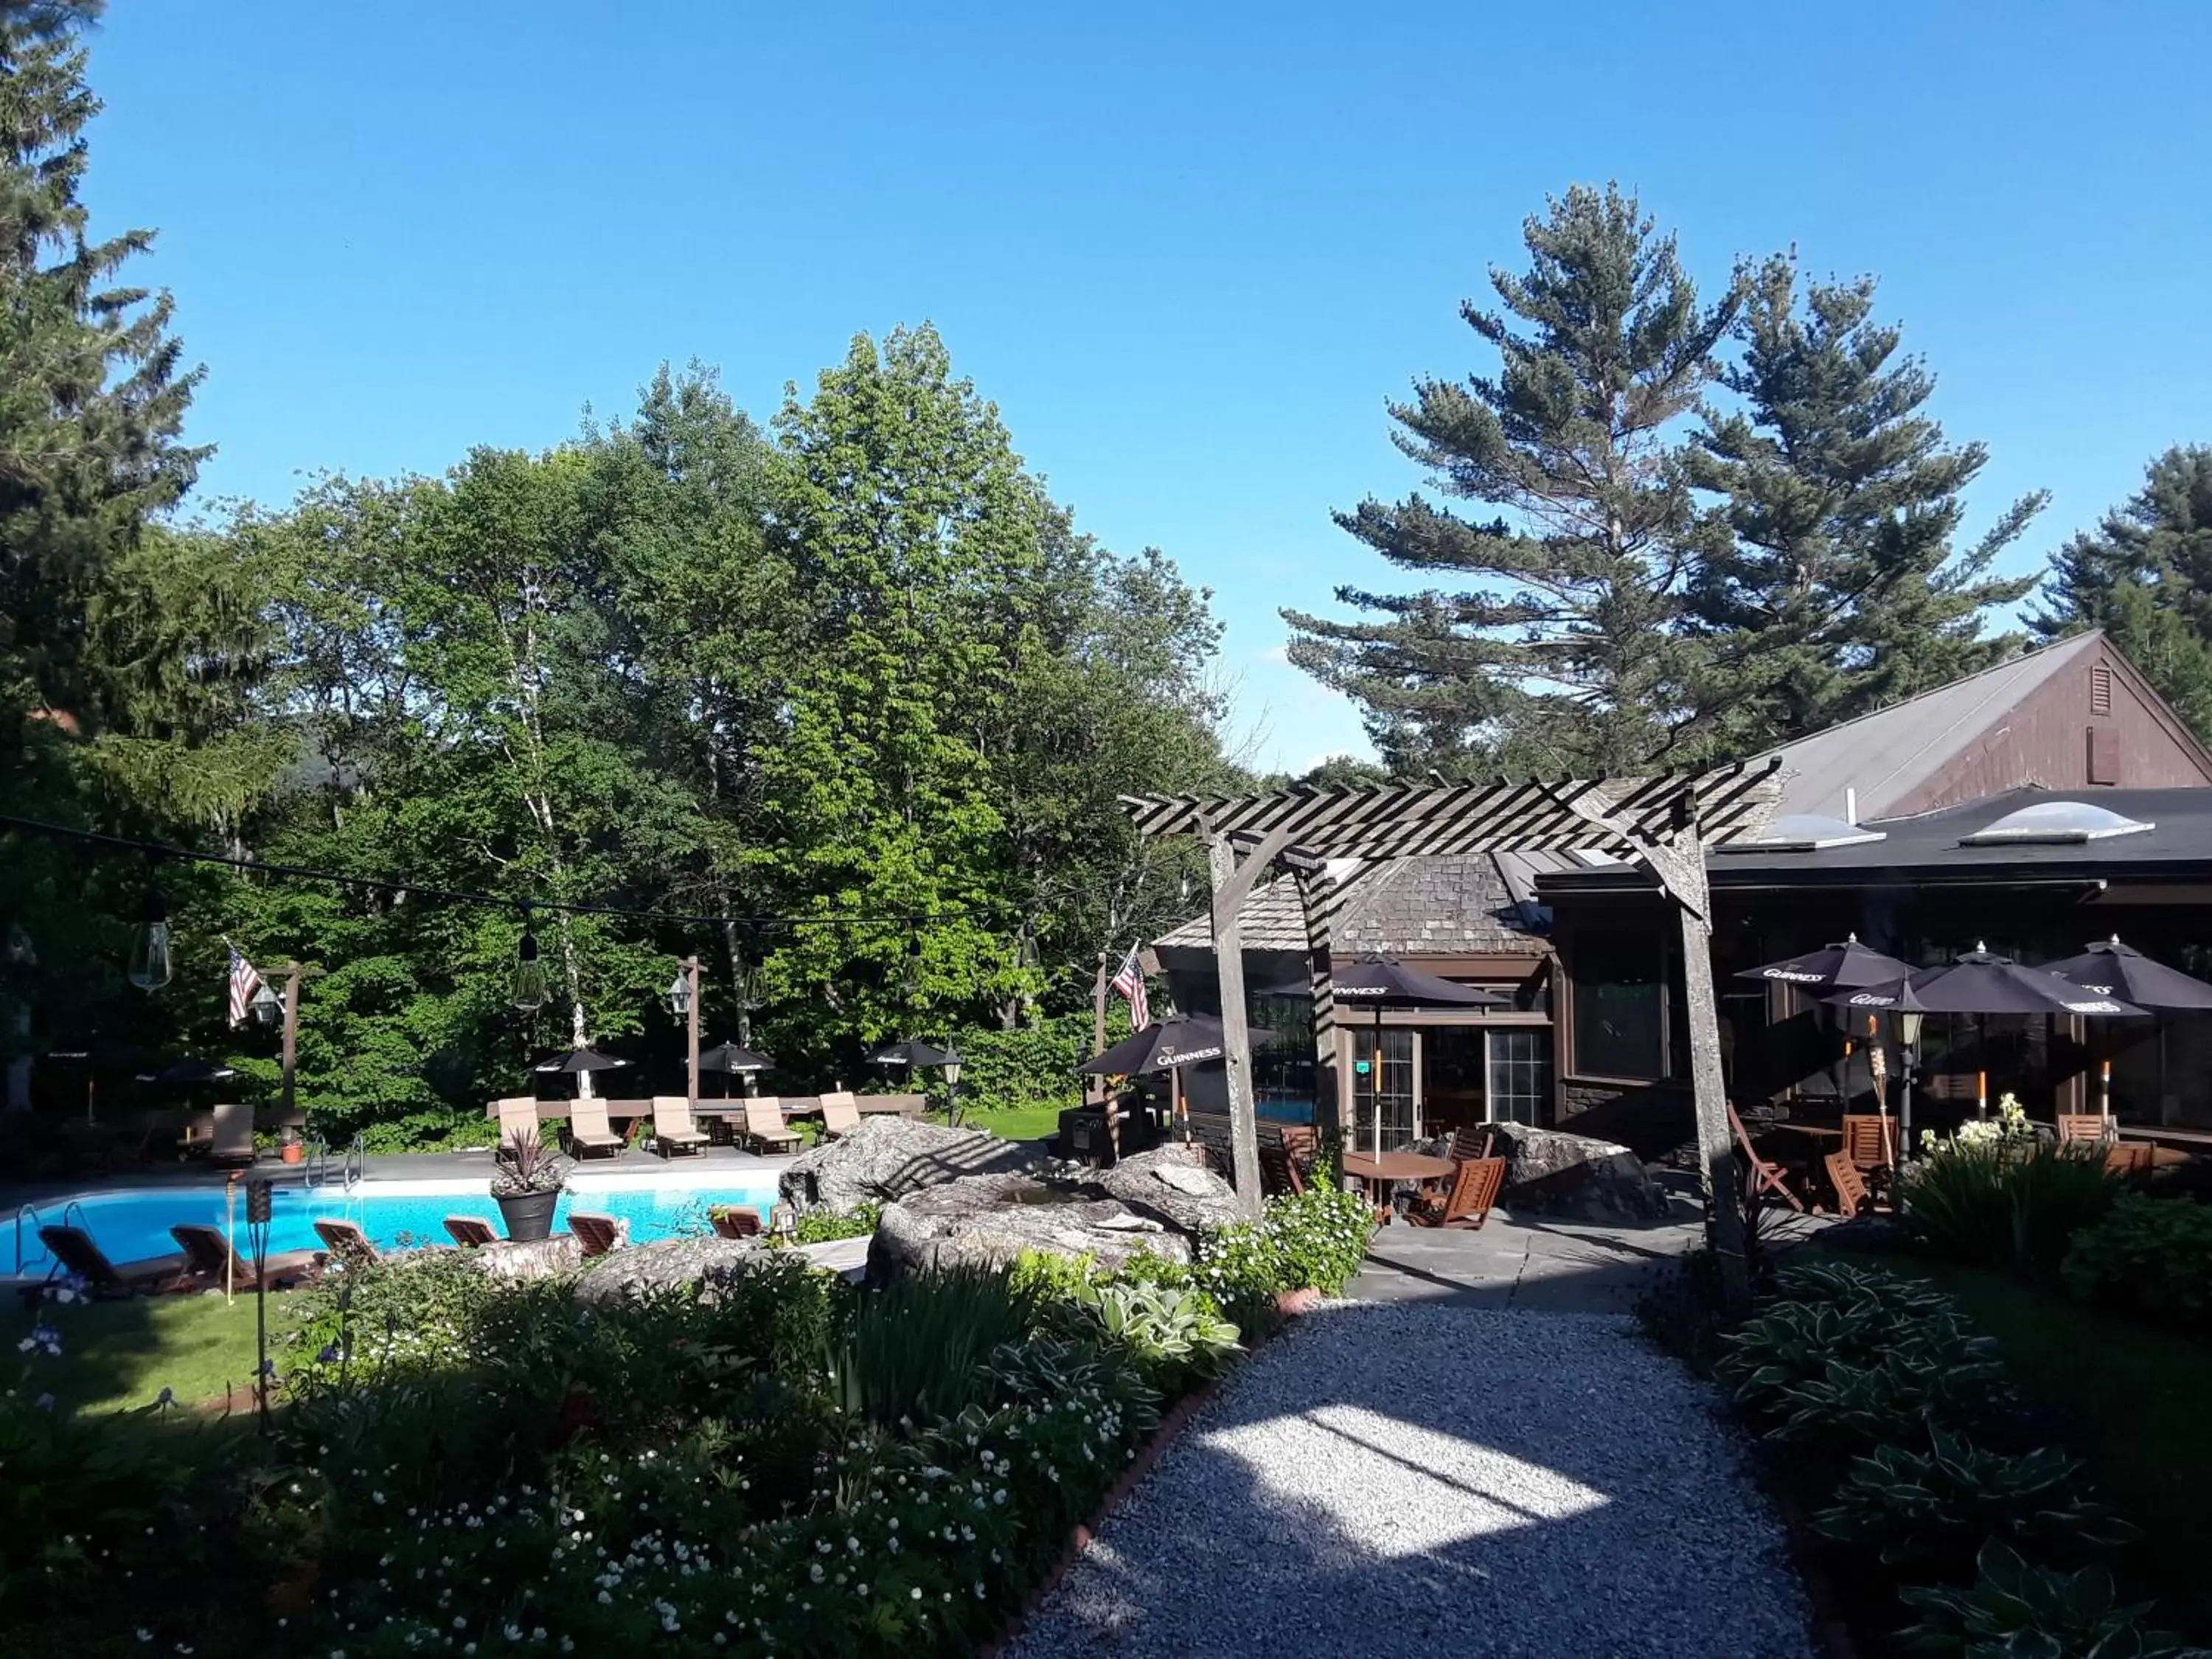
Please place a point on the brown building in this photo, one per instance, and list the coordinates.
(1873, 837)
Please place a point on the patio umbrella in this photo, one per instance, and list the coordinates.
(188, 1071)
(580, 1063)
(1166, 1046)
(910, 1051)
(2112, 969)
(730, 1060)
(1380, 983)
(1829, 968)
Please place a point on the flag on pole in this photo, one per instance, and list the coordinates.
(244, 982)
(1130, 983)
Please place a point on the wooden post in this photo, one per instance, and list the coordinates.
(1232, 885)
(1094, 1088)
(691, 1034)
(1317, 895)
(291, 1033)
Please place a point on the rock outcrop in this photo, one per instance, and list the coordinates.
(640, 1270)
(1177, 1184)
(1574, 1178)
(885, 1157)
(990, 1219)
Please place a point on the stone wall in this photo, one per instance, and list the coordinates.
(1650, 1118)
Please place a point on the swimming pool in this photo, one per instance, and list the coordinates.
(130, 1226)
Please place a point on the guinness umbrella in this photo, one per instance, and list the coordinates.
(728, 1057)
(2112, 969)
(1172, 1043)
(1380, 983)
(580, 1063)
(911, 1051)
(1848, 964)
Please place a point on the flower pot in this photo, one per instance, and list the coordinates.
(528, 1215)
(1292, 1303)
(293, 1152)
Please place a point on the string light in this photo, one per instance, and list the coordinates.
(149, 967)
(529, 991)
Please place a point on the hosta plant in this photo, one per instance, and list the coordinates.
(1176, 1335)
(2014, 1611)
(1942, 1502)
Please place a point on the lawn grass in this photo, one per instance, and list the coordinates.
(118, 1355)
(1013, 1123)
(2142, 1394)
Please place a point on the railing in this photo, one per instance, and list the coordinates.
(34, 1216)
(316, 1167)
(356, 1162)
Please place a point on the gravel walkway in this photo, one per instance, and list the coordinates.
(1424, 1480)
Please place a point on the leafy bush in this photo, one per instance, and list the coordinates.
(2150, 1257)
(442, 1131)
(915, 1348)
(1028, 1068)
(1942, 1503)
(820, 1226)
(2014, 1611)
(2004, 1202)
(1317, 1238)
(1178, 1336)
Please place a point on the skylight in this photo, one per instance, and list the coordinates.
(2056, 823)
(1804, 832)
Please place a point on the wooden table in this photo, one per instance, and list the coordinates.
(1378, 1169)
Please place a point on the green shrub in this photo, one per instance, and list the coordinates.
(1942, 1503)
(2014, 1611)
(1178, 1336)
(916, 1349)
(1316, 1239)
(2006, 1204)
(820, 1226)
(1028, 1068)
(2151, 1257)
(417, 1132)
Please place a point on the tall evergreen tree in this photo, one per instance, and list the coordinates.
(1555, 646)
(2145, 577)
(1829, 584)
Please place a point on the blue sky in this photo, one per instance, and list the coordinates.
(1189, 250)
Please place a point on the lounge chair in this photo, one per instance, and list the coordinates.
(1851, 1186)
(589, 1132)
(598, 1234)
(673, 1131)
(1766, 1174)
(472, 1232)
(892, 1105)
(518, 1116)
(73, 1247)
(735, 1222)
(346, 1243)
(2081, 1125)
(764, 1125)
(231, 1140)
(841, 1114)
(1475, 1184)
(213, 1263)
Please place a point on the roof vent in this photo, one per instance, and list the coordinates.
(1804, 832)
(2056, 823)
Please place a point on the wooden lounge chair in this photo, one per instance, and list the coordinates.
(673, 1131)
(589, 1132)
(472, 1232)
(231, 1138)
(734, 1222)
(841, 1114)
(764, 1125)
(892, 1105)
(598, 1234)
(1279, 1174)
(517, 1115)
(1850, 1185)
(1475, 1188)
(2081, 1125)
(73, 1247)
(1766, 1174)
(215, 1265)
(348, 1244)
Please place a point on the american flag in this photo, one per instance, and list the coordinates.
(244, 982)
(1130, 983)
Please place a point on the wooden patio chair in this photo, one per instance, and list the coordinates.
(470, 1232)
(841, 1114)
(2081, 1125)
(673, 1131)
(735, 1222)
(598, 1234)
(764, 1125)
(1279, 1174)
(590, 1134)
(1475, 1184)
(347, 1243)
(1869, 1140)
(2130, 1159)
(1852, 1196)
(1765, 1176)
(213, 1264)
(73, 1249)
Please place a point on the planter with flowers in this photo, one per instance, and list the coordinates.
(528, 1185)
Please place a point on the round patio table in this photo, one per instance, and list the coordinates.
(1379, 1170)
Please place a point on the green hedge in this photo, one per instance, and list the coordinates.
(1032, 1066)
(2151, 1257)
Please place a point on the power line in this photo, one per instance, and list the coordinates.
(160, 850)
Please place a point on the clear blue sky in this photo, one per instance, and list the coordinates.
(1189, 250)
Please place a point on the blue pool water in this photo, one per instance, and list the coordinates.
(129, 1226)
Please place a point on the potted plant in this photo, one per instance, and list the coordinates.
(290, 1147)
(528, 1185)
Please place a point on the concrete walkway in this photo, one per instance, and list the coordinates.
(1533, 1264)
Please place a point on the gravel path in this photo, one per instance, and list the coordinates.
(1423, 1480)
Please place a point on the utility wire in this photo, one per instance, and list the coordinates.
(155, 849)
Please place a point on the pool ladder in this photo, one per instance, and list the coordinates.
(349, 1164)
(30, 1216)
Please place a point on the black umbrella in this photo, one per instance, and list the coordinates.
(1380, 983)
(728, 1057)
(1173, 1042)
(578, 1060)
(911, 1051)
(1849, 963)
(2115, 970)
(190, 1070)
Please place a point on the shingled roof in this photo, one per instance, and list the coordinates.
(1463, 904)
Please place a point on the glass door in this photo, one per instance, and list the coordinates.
(1385, 1104)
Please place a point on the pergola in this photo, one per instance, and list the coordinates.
(1664, 823)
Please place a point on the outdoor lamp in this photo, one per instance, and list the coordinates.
(18, 951)
(529, 988)
(1908, 1029)
(953, 1068)
(268, 1007)
(679, 994)
(149, 944)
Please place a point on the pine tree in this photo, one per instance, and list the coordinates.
(91, 396)
(2145, 577)
(1828, 585)
(1556, 647)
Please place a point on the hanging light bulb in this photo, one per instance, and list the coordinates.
(149, 945)
(529, 988)
(18, 952)
(912, 978)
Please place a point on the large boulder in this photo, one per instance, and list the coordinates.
(1572, 1177)
(1177, 1184)
(990, 1220)
(637, 1271)
(883, 1157)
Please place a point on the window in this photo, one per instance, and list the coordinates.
(1520, 1076)
(2103, 754)
(1619, 1005)
(1282, 1058)
(2056, 823)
